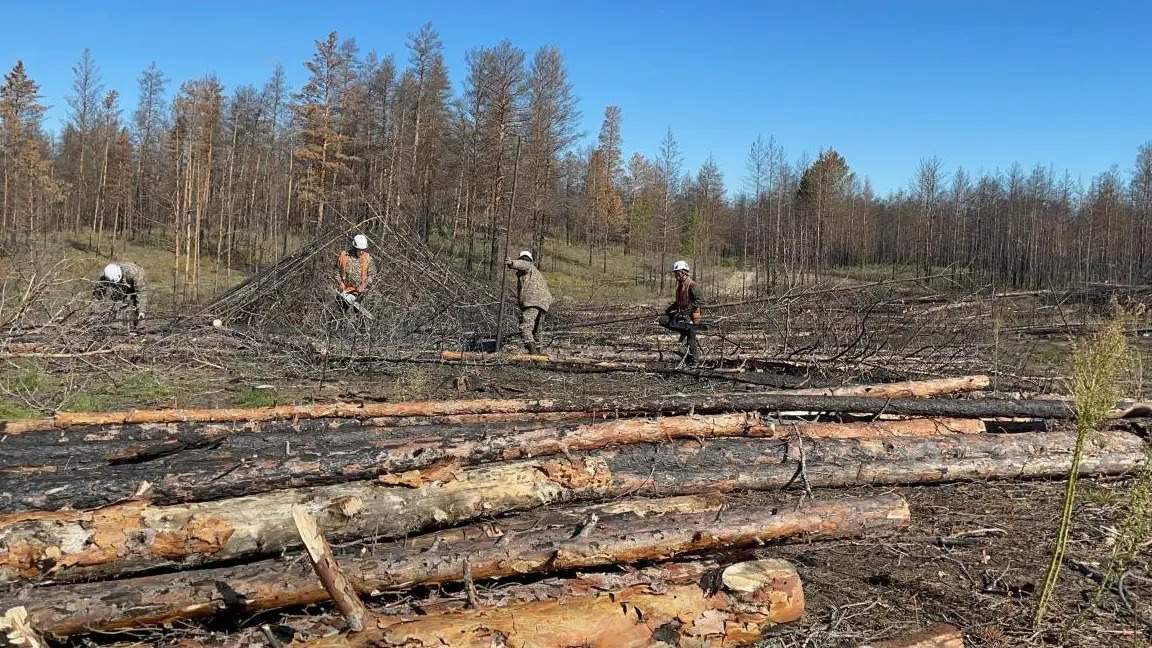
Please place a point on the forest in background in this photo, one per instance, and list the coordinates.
(236, 177)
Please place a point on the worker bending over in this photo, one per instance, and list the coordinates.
(123, 285)
(683, 315)
(534, 299)
(355, 271)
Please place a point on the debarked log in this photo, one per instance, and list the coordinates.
(70, 469)
(136, 536)
(674, 404)
(906, 389)
(532, 543)
(688, 605)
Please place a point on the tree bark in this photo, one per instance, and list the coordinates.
(675, 404)
(550, 541)
(135, 536)
(672, 604)
(75, 468)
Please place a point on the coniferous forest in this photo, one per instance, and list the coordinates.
(236, 176)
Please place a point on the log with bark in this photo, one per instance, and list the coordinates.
(136, 536)
(186, 463)
(533, 543)
(674, 404)
(689, 605)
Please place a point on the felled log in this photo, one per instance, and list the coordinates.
(672, 604)
(328, 570)
(631, 531)
(77, 469)
(676, 404)
(907, 389)
(517, 358)
(941, 635)
(135, 536)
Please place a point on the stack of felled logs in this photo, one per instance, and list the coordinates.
(147, 518)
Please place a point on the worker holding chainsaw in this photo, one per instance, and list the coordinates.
(683, 315)
(123, 285)
(355, 271)
(534, 298)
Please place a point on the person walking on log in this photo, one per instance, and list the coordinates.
(533, 297)
(355, 271)
(683, 315)
(123, 285)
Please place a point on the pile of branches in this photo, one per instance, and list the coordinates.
(456, 521)
(416, 300)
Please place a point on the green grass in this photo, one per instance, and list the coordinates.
(137, 389)
(11, 410)
(253, 397)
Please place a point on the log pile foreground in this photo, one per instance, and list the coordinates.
(132, 520)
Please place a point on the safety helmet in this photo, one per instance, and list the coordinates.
(681, 265)
(360, 242)
(525, 254)
(113, 272)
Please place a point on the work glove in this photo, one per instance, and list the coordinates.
(349, 297)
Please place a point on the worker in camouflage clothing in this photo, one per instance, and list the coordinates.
(123, 285)
(355, 271)
(533, 297)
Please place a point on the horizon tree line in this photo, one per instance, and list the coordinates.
(235, 177)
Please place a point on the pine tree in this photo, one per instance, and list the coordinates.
(27, 187)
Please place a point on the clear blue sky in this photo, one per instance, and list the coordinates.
(977, 83)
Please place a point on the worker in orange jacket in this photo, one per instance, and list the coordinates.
(355, 271)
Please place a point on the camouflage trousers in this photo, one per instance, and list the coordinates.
(531, 321)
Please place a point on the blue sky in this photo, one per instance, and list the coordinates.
(979, 84)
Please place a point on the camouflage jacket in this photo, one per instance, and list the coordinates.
(531, 286)
(130, 288)
(350, 275)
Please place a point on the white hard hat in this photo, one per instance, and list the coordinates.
(525, 254)
(360, 242)
(113, 272)
(680, 265)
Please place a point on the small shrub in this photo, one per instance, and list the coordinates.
(1097, 369)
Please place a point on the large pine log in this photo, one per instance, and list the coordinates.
(645, 531)
(675, 404)
(182, 463)
(135, 536)
(679, 605)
